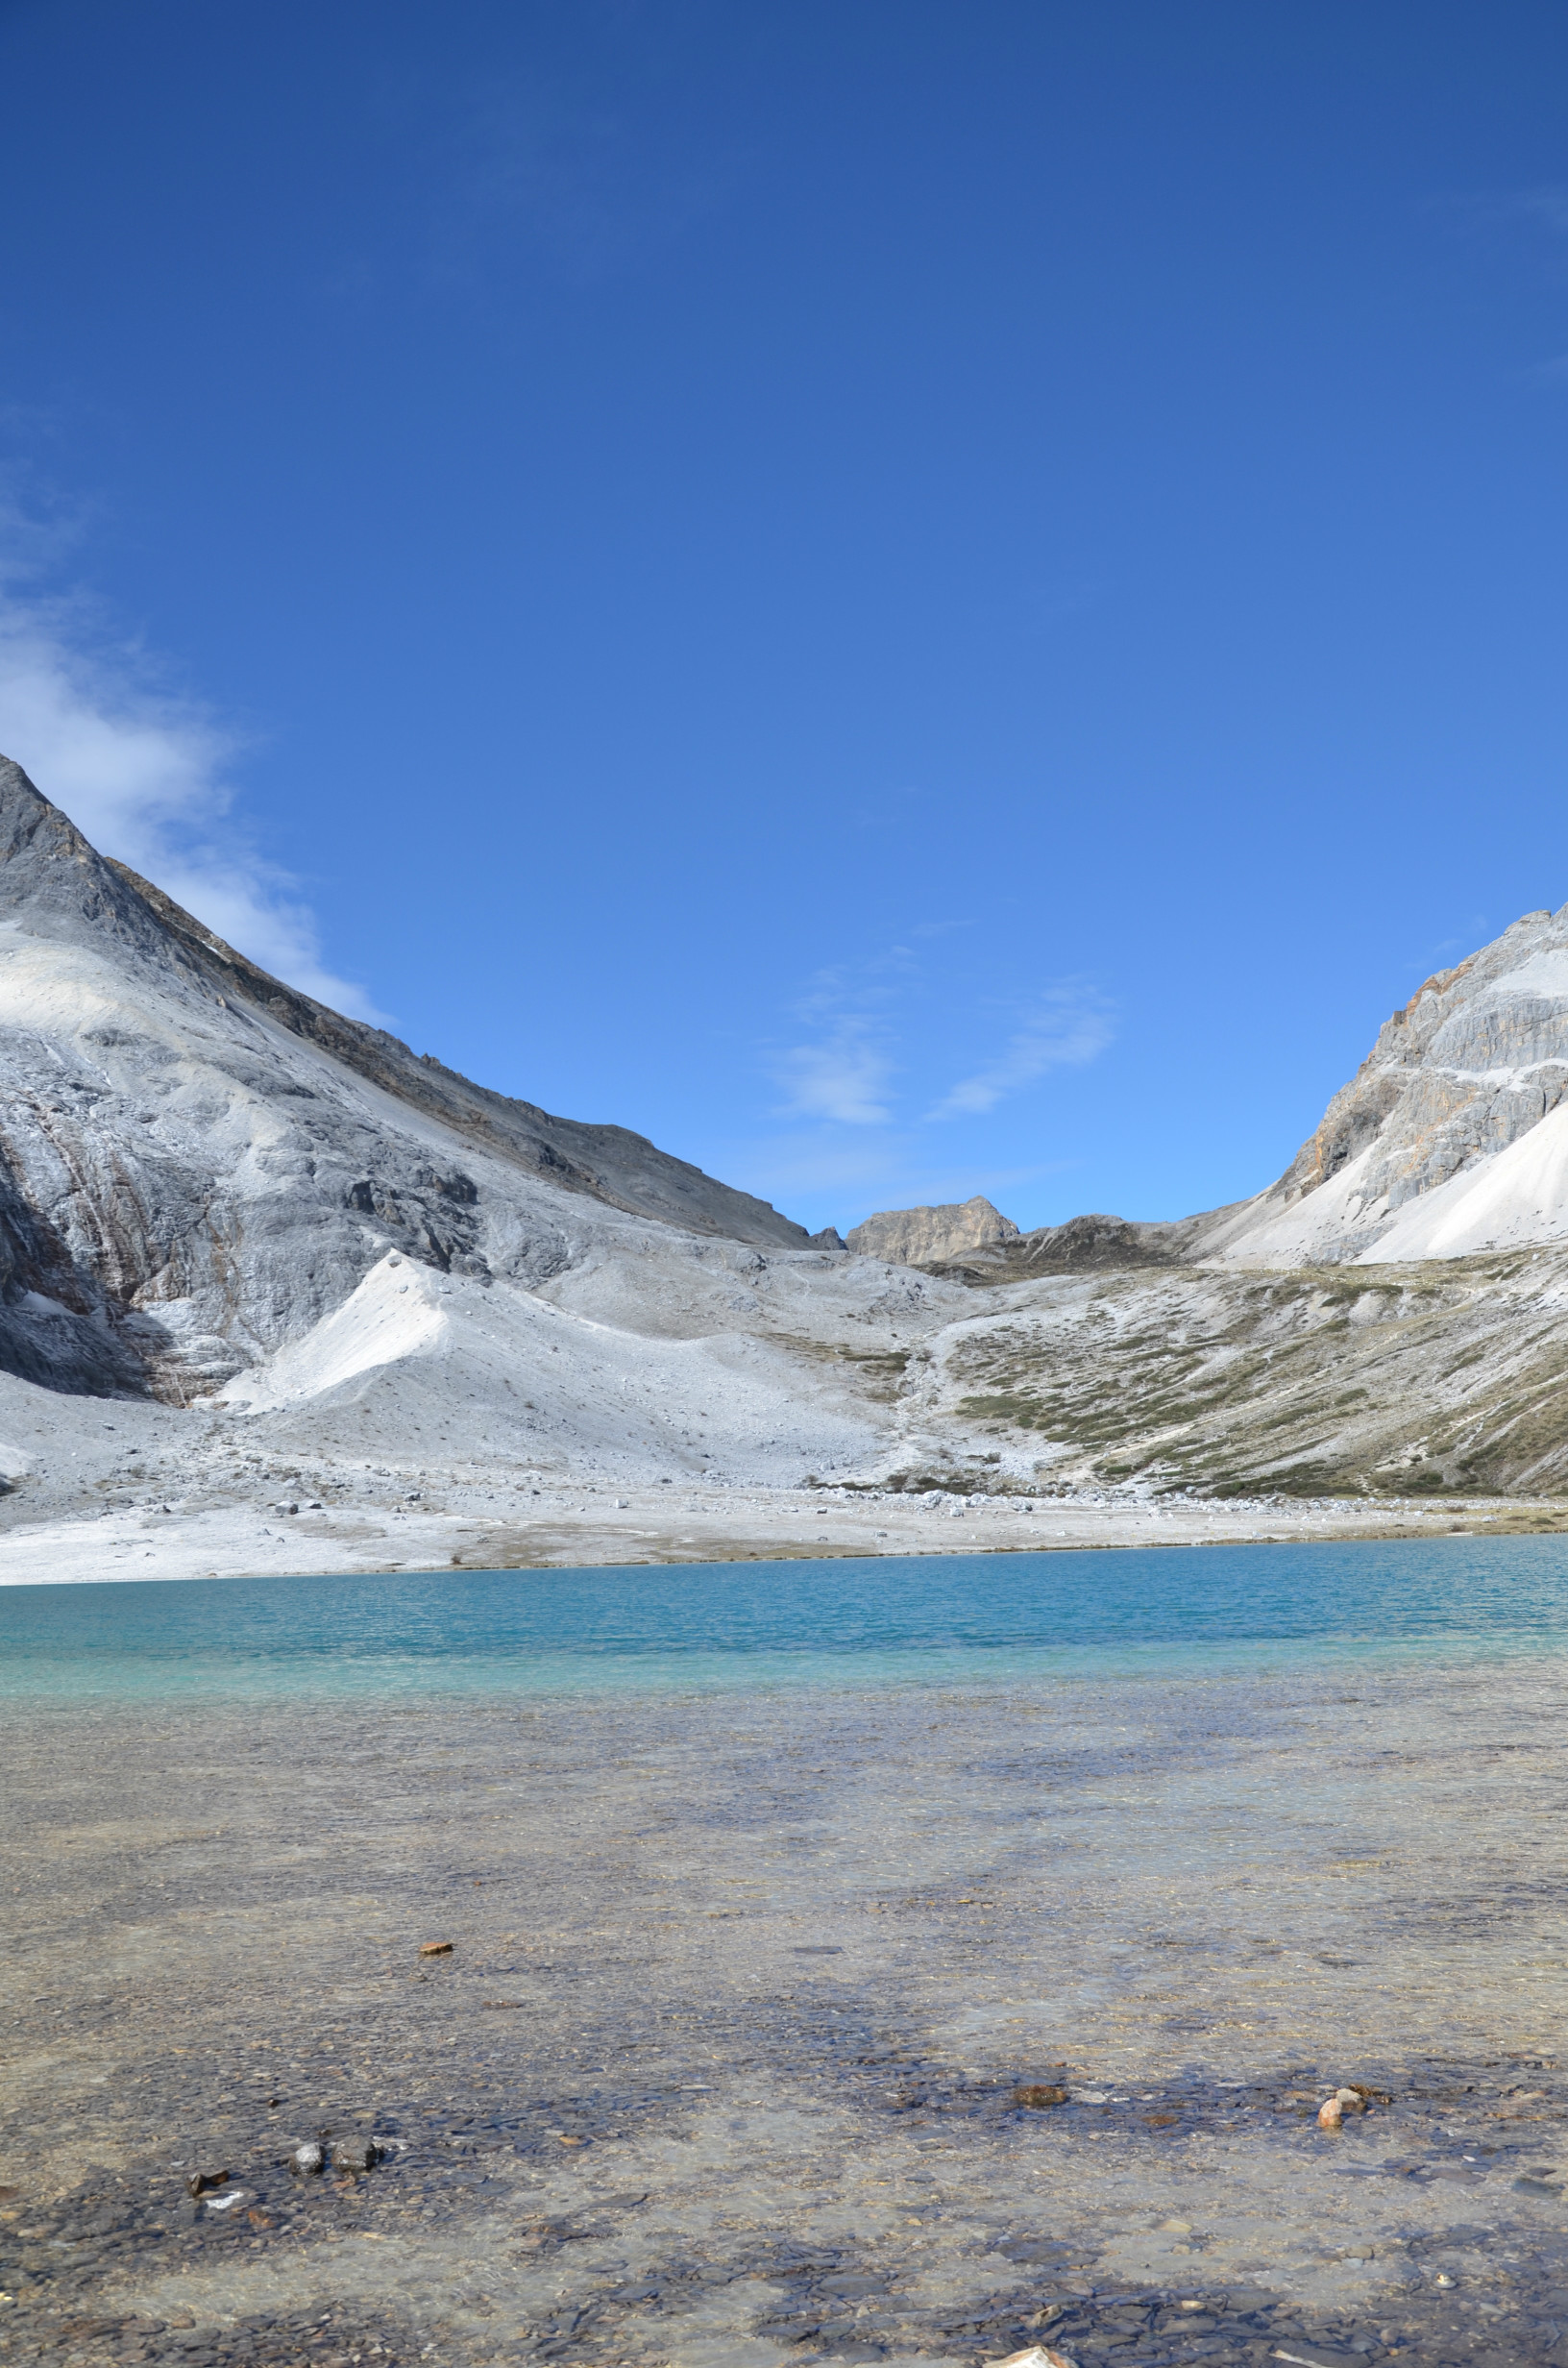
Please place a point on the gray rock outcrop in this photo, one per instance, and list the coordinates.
(924, 1236)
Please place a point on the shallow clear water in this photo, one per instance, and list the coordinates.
(954, 1618)
(765, 1888)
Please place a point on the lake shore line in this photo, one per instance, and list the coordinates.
(588, 1526)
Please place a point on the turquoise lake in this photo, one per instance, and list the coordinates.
(956, 1619)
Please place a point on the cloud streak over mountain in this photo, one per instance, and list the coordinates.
(867, 1081)
(1070, 1025)
(146, 773)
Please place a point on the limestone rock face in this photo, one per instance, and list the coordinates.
(197, 1162)
(923, 1237)
(1453, 1135)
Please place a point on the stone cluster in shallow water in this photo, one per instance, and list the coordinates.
(1493, 2291)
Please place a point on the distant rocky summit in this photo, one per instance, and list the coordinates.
(924, 1236)
(1451, 1140)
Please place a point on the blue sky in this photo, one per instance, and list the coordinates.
(909, 599)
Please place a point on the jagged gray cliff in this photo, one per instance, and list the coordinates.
(1453, 1135)
(1451, 1139)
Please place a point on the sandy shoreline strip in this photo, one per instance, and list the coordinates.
(580, 1528)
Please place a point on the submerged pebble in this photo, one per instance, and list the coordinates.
(1332, 2110)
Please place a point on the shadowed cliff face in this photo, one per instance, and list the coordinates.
(59, 1324)
(197, 1162)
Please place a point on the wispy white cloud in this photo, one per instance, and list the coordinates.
(1481, 213)
(520, 174)
(845, 1078)
(869, 1051)
(843, 1070)
(1070, 1026)
(143, 773)
(858, 1023)
(1480, 216)
(942, 928)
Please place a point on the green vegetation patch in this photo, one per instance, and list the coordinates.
(1002, 1407)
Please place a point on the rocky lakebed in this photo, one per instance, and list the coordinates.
(913, 2024)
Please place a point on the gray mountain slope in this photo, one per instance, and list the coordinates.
(197, 1162)
(615, 1166)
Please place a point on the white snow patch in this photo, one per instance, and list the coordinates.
(390, 1318)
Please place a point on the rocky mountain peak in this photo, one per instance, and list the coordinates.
(197, 1162)
(924, 1236)
(1453, 1134)
(52, 880)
